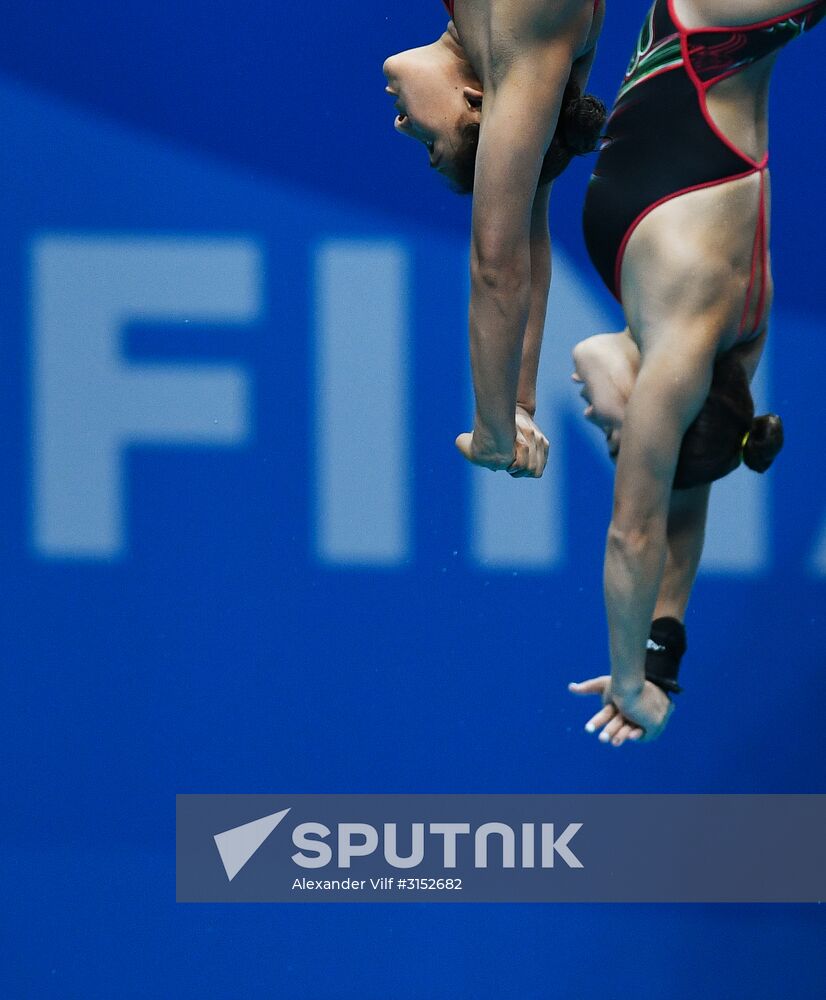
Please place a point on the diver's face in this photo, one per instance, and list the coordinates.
(605, 372)
(432, 102)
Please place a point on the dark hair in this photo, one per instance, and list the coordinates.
(713, 445)
(581, 119)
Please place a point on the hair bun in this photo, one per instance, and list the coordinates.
(578, 131)
(764, 442)
(582, 120)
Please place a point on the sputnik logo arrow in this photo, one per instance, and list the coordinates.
(237, 846)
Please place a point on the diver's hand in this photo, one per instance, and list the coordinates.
(482, 451)
(639, 717)
(527, 456)
(528, 431)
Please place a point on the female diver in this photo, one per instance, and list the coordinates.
(496, 102)
(677, 223)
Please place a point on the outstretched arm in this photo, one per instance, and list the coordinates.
(518, 124)
(671, 387)
(540, 249)
(687, 524)
(540, 245)
(685, 537)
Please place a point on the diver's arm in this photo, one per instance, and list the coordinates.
(583, 64)
(687, 521)
(540, 283)
(669, 392)
(518, 124)
(541, 266)
(685, 537)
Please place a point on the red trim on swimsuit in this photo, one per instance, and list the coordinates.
(664, 143)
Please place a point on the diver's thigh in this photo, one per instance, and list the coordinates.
(690, 259)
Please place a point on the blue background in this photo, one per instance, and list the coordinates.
(220, 652)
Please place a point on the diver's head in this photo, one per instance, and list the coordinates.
(439, 103)
(578, 131)
(438, 98)
(726, 431)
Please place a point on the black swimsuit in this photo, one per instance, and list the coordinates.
(662, 141)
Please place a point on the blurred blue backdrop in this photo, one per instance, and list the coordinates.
(241, 553)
